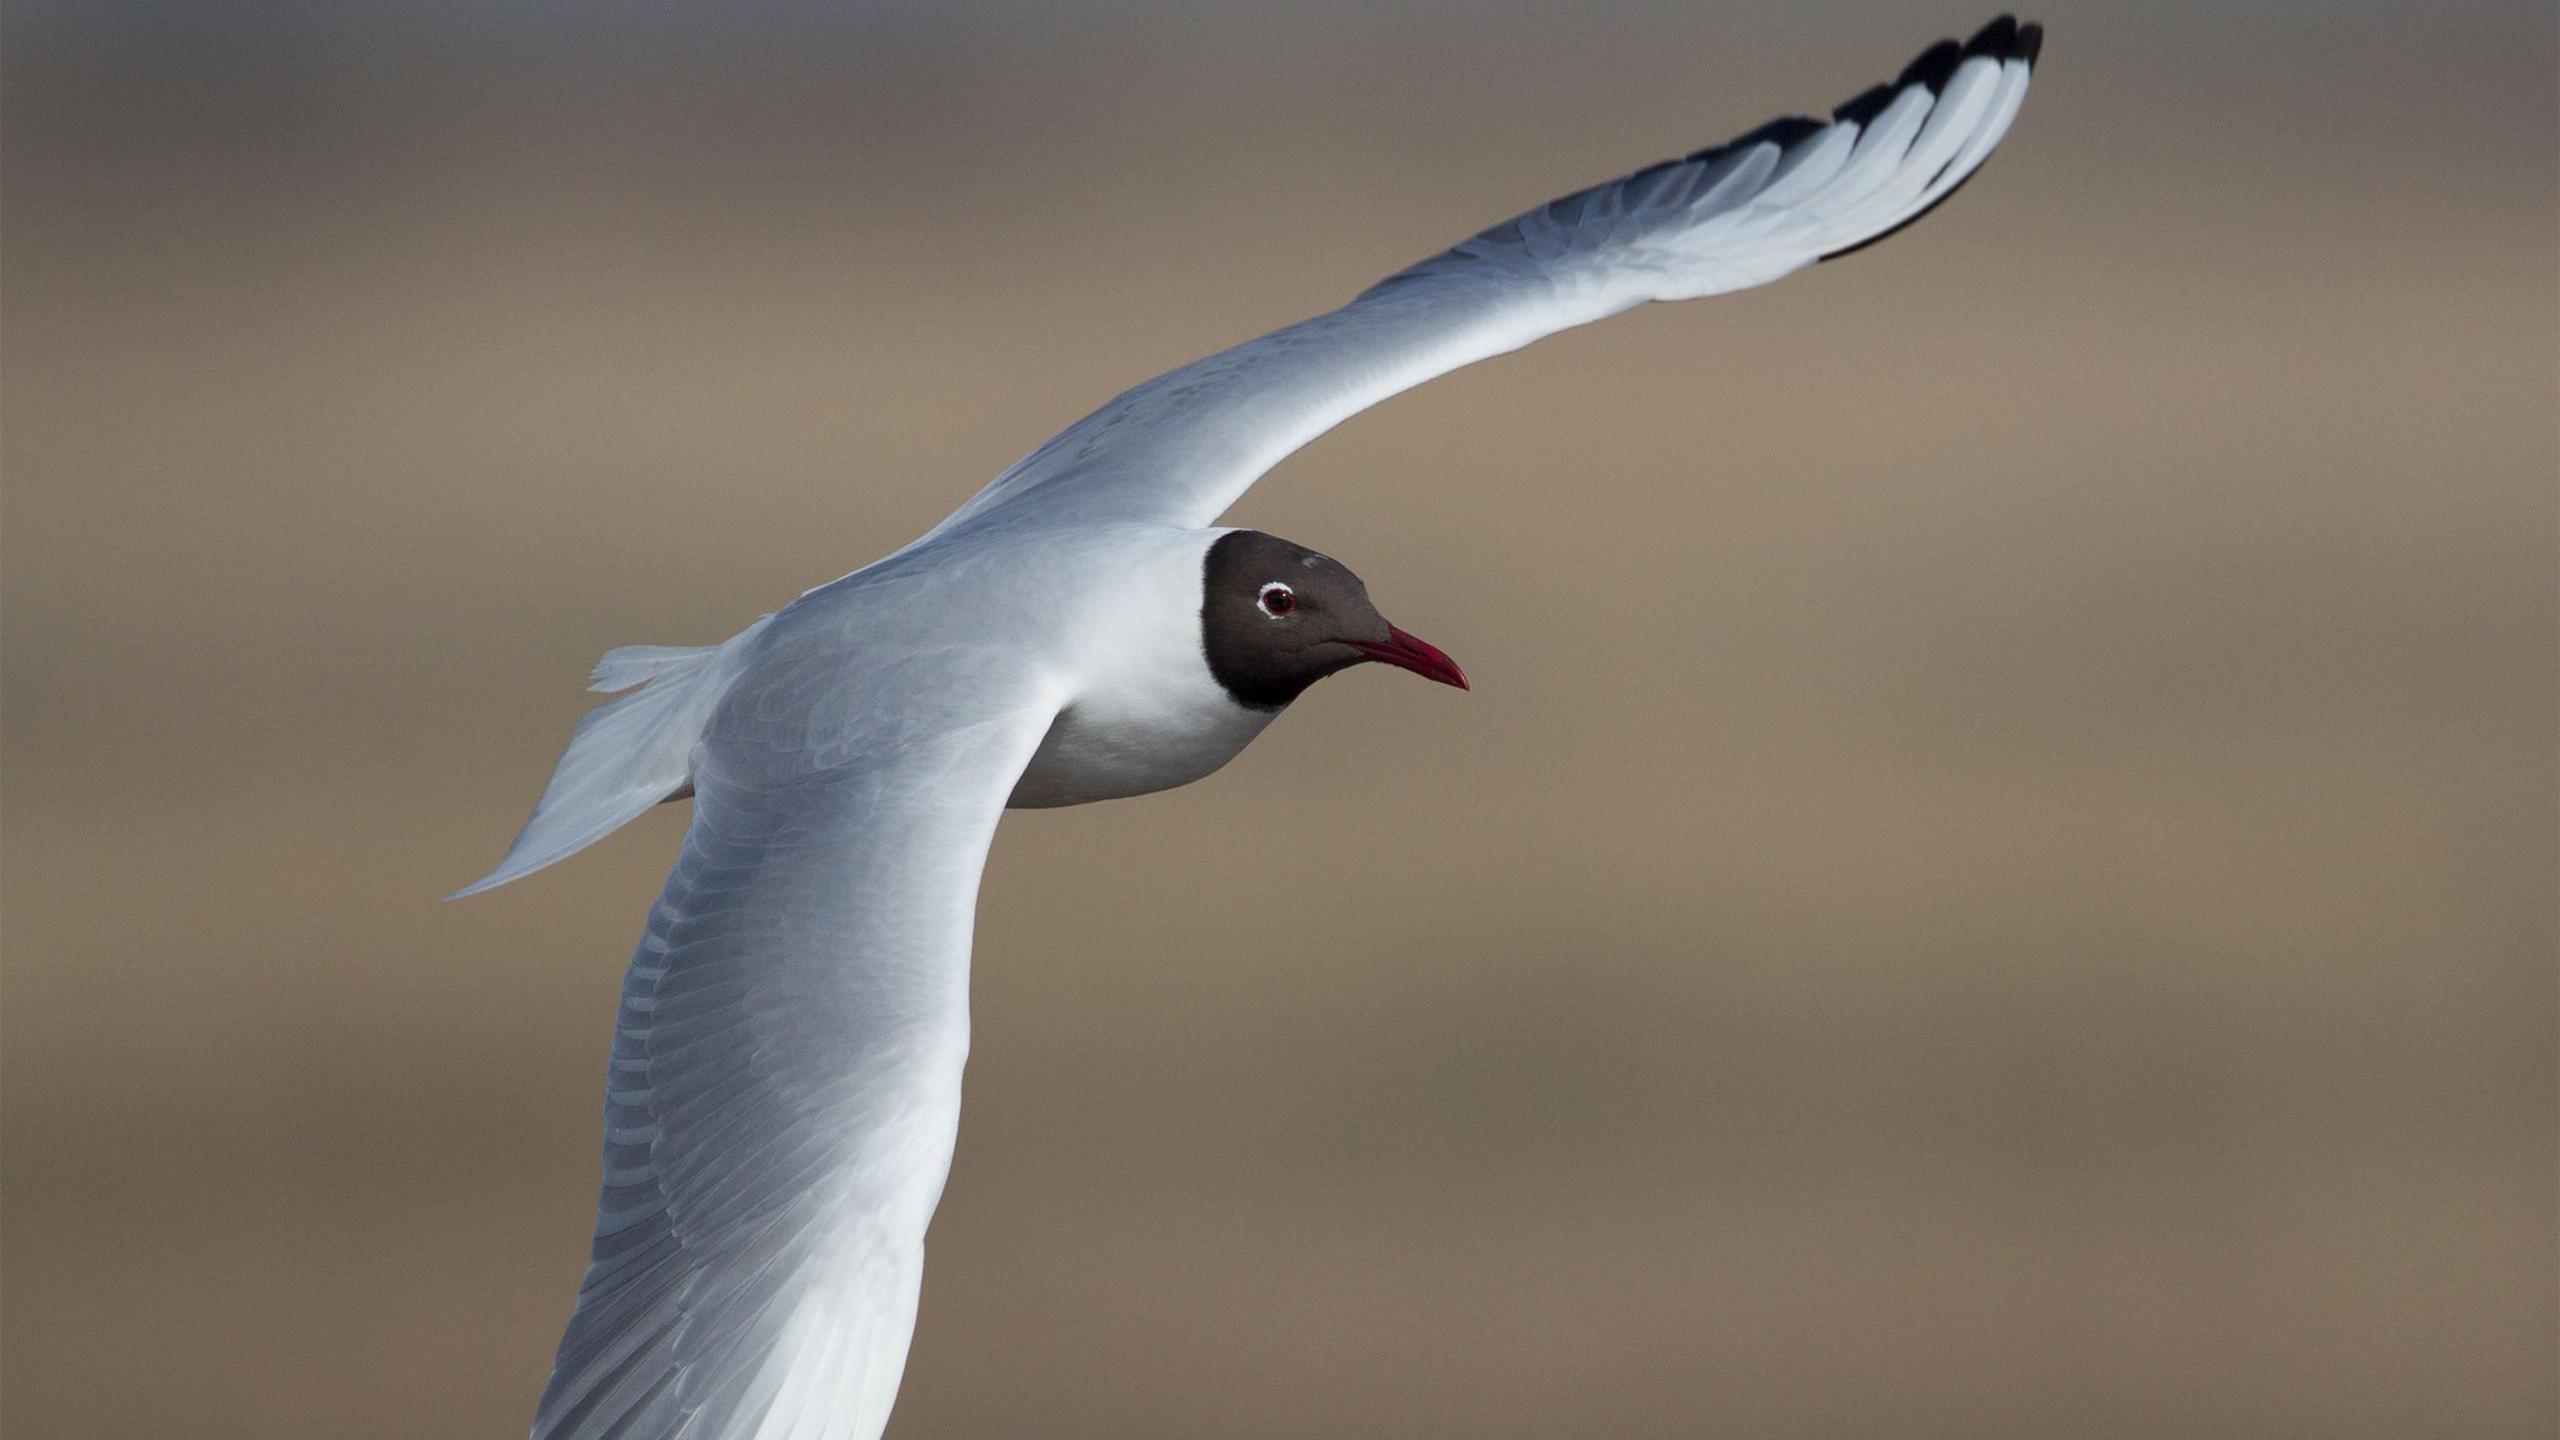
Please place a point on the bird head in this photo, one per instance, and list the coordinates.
(1276, 617)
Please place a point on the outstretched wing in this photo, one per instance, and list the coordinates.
(1182, 447)
(785, 1080)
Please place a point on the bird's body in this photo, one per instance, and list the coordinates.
(1105, 613)
(1147, 712)
(784, 1089)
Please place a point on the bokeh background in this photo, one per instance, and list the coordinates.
(1998, 879)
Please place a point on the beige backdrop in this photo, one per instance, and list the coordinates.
(1997, 880)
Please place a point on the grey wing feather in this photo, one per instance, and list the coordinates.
(1182, 447)
(785, 1080)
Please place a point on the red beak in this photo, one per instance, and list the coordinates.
(1419, 656)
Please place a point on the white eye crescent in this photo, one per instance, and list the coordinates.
(1278, 601)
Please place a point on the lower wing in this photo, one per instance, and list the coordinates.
(785, 1082)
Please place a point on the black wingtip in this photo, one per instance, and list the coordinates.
(1994, 39)
(1865, 107)
(1932, 68)
(1787, 131)
(2006, 39)
(2003, 40)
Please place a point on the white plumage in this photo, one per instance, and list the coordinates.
(784, 1088)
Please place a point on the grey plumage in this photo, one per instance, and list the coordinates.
(784, 1087)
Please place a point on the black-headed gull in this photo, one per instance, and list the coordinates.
(785, 1080)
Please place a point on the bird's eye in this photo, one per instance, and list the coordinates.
(1278, 600)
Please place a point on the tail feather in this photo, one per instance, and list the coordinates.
(627, 754)
(622, 668)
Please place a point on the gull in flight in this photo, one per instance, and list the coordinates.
(784, 1087)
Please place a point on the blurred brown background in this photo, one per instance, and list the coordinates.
(1998, 879)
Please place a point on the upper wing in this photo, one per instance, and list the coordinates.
(1182, 447)
(785, 1080)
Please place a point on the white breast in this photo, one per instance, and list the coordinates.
(1147, 714)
